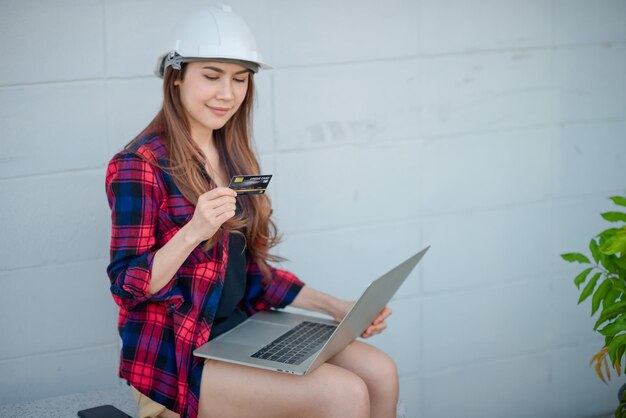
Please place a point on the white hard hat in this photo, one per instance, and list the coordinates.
(213, 32)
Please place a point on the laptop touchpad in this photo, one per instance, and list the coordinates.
(255, 333)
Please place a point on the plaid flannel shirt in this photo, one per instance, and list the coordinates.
(160, 331)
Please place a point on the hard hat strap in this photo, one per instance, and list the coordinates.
(174, 60)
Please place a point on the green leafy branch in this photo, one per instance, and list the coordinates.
(608, 268)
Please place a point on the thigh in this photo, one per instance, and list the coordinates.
(372, 365)
(231, 390)
(150, 409)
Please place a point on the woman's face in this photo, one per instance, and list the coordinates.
(211, 92)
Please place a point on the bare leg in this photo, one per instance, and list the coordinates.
(169, 414)
(379, 373)
(149, 408)
(230, 390)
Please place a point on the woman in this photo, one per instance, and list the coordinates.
(189, 258)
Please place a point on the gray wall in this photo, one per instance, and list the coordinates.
(492, 130)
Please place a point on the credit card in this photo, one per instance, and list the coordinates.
(250, 184)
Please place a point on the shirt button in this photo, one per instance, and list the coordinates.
(116, 291)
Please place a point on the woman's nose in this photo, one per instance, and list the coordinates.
(226, 90)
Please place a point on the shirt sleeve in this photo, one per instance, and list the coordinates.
(134, 198)
(278, 292)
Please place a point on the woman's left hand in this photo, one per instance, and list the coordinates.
(377, 326)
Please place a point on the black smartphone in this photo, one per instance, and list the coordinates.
(104, 411)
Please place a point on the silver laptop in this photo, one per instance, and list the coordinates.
(293, 343)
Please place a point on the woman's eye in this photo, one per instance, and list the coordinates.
(240, 80)
(211, 77)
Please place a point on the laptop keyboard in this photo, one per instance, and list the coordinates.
(297, 344)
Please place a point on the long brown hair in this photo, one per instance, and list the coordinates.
(233, 142)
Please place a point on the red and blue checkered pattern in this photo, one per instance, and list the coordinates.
(160, 331)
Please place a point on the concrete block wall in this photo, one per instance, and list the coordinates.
(492, 130)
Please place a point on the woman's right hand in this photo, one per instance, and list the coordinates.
(213, 209)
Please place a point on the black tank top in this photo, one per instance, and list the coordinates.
(228, 314)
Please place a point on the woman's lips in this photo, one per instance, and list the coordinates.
(220, 111)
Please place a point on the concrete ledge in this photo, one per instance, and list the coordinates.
(68, 405)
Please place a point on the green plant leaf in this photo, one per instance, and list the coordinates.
(600, 293)
(608, 338)
(611, 312)
(613, 328)
(619, 284)
(619, 200)
(620, 354)
(614, 245)
(611, 298)
(614, 216)
(582, 276)
(575, 257)
(595, 250)
(616, 342)
(621, 262)
(588, 290)
(607, 233)
(607, 261)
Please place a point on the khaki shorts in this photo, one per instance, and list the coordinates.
(151, 409)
